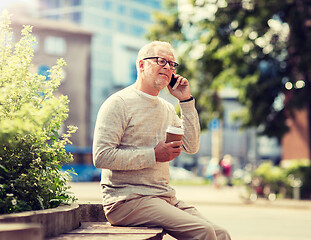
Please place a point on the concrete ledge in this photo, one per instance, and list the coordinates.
(91, 212)
(17, 231)
(54, 221)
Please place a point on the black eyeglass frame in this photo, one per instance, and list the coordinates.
(172, 67)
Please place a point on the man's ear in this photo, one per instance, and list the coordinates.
(141, 65)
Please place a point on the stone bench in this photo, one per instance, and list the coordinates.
(94, 225)
(102, 230)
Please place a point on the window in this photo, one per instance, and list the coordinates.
(137, 31)
(122, 10)
(107, 5)
(76, 17)
(140, 15)
(47, 4)
(107, 23)
(55, 45)
(121, 27)
(76, 2)
(151, 3)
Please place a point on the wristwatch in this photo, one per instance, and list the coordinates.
(187, 100)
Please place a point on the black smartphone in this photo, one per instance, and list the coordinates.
(173, 83)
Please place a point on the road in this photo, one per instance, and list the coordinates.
(263, 220)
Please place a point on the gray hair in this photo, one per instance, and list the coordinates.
(148, 50)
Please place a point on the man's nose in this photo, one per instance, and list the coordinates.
(167, 65)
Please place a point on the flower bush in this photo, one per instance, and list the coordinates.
(31, 148)
(282, 180)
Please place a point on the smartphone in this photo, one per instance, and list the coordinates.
(173, 83)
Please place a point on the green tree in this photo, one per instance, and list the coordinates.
(259, 47)
(31, 149)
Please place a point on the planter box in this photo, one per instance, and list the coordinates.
(54, 221)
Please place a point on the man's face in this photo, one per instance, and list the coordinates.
(156, 75)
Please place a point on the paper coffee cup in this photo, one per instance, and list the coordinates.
(174, 134)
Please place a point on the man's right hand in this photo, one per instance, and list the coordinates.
(165, 152)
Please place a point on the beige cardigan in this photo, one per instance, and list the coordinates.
(129, 125)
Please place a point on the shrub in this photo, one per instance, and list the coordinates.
(299, 174)
(31, 148)
(283, 180)
(273, 178)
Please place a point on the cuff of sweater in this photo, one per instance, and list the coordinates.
(150, 155)
(187, 104)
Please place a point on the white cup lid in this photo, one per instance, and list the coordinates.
(175, 130)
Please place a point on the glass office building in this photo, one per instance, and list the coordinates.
(118, 28)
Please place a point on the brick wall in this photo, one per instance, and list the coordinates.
(295, 144)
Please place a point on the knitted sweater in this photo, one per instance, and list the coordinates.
(129, 125)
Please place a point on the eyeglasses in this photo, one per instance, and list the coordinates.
(162, 62)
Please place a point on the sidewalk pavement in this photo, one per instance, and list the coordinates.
(231, 196)
(202, 194)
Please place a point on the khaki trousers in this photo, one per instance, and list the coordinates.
(178, 219)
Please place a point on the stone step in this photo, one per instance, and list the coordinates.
(103, 230)
(18, 231)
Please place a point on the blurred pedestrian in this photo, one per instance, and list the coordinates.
(226, 168)
(213, 172)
